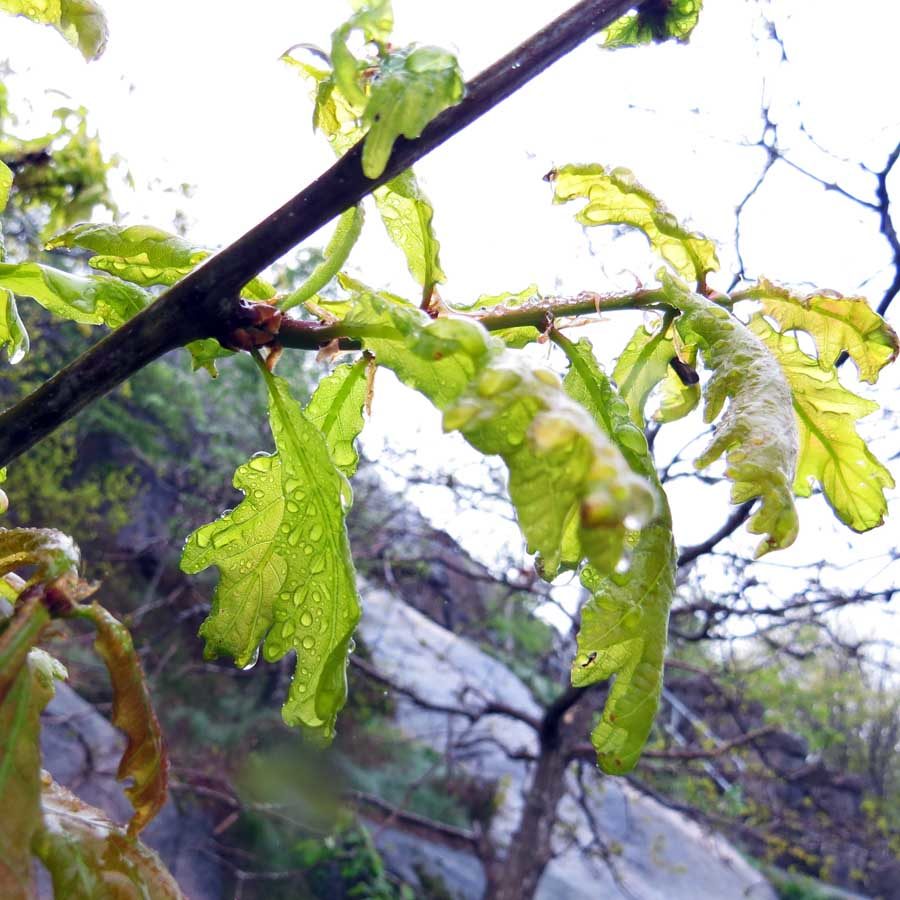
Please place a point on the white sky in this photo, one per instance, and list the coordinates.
(191, 92)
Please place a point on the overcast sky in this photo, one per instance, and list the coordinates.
(193, 93)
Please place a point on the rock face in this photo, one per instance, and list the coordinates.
(81, 750)
(647, 850)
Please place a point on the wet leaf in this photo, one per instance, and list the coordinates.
(287, 578)
(205, 353)
(831, 451)
(335, 408)
(90, 299)
(615, 197)
(91, 858)
(52, 553)
(836, 324)
(411, 87)
(757, 431)
(144, 761)
(13, 336)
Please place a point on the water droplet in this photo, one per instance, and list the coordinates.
(287, 630)
(203, 537)
(252, 661)
(291, 506)
(316, 532)
(306, 620)
(308, 643)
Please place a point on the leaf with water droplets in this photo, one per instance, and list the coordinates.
(616, 197)
(758, 430)
(831, 451)
(286, 576)
(624, 625)
(335, 408)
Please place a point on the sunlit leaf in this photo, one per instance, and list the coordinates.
(679, 393)
(144, 255)
(564, 474)
(375, 19)
(91, 858)
(80, 22)
(412, 86)
(144, 761)
(335, 408)
(641, 366)
(758, 430)
(836, 324)
(624, 625)
(90, 299)
(13, 336)
(286, 574)
(505, 300)
(6, 180)
(615, 197)
(407, 214)
(27, 692)
(654, 22)
(831, 451)
(346, 234)
(205, 353)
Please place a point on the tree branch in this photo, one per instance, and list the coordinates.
(205, 302)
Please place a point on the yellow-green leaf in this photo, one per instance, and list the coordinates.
(615, 197)
(757, 431)
(831, 451)
(80, 22)
(836, 324)
(654, 22)
(286, 575)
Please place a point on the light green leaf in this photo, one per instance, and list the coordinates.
(13, 335)
(90, 299)
(375, 19)
(412, 86)
(564, 475)
(407, 214)
(836, 323)
(336, 407)
(506, 300)
(205, 353)
(6, 180)
(286, 573)
(346, 234)
(758, 430)
(645, 363)
(616, 197)
(144, 255)
(91, 858)
(80, 22)
(654, 23)
(625, 623)
(51, 553)
(25, 694)
(831, 451)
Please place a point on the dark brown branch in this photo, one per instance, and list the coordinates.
(203, 304)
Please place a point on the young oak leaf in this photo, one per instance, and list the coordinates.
(411, 87)
(91, 858)
(144, 255)
(29, 690)
(89, 299)
(834, 322)
(624, 625)
(286, 576)
(615, 197)
(654, 22)
(831, 451)
(145, 760)
(335, 408)
(80, 22)
(758, 430)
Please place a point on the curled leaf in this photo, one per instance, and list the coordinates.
(758, 430)
(615, 197)
(52, 553)
(654, 22)
(144, 761)
(80, 22)
(831, 451)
